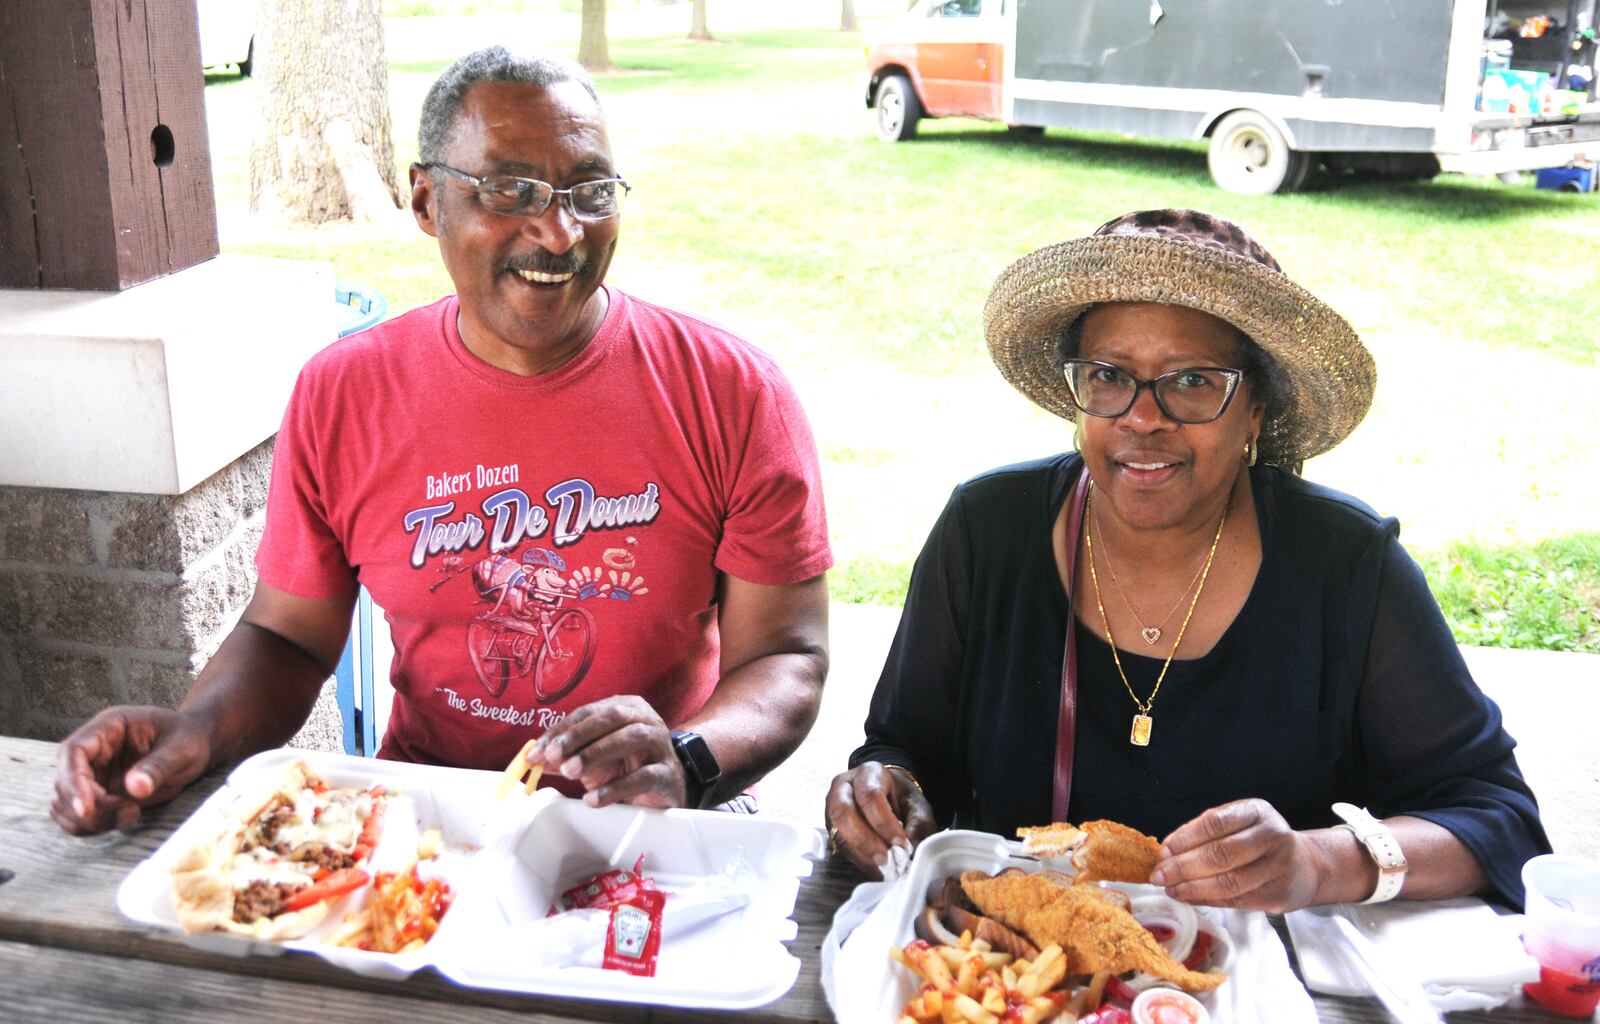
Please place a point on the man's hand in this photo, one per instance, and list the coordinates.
(122, 760)
(253, 694)
(1244, 855)
(870, 808)
(619, 749)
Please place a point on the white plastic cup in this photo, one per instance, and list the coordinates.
(1561, 930)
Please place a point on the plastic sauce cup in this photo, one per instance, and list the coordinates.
(1561, 930)
(1168, 1006)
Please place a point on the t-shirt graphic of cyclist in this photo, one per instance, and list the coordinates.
(532, 628)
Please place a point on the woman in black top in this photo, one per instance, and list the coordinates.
(1187, 638)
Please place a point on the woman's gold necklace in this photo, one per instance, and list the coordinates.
(1140, 734)
(1150, 634)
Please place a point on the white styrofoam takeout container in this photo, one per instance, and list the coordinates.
(864, 986)
(508, 861)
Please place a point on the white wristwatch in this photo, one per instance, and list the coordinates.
(1381, 844)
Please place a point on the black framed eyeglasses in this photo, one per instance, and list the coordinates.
(1194, 394)
(512, 196)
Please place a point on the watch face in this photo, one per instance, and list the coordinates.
(698, 760)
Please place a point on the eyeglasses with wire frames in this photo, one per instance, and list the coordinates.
(512, 196)
(1194, 394)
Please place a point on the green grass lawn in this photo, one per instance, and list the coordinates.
(763, 200)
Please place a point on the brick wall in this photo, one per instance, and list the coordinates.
(112, 598)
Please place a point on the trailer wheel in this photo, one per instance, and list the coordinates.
(1248, 154)
(898, 109)
(1303, 169)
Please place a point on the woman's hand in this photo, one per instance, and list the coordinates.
(1241, 855)
(870, 809)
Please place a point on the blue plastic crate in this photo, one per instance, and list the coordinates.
(1567, 179)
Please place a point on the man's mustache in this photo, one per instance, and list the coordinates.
(542, 262)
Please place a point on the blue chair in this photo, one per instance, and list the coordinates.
(362, 308)
(356, 707)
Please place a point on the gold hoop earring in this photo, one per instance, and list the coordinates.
(1250, 452)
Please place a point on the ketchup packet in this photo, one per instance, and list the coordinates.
(633, 938)
(606, 890)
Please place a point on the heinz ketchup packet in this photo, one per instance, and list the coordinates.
(606, 890)
(633, 938)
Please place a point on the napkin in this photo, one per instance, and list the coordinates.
(896, 863)
(1463, 953)
(576, 938)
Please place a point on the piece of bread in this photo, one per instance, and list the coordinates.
(1050, 840)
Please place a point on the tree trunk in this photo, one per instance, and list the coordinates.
(593, 52)
(847, 17)
(324, 149)
(697, 26)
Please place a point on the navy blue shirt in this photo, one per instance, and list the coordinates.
(1338, 680)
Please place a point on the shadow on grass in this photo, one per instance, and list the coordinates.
(1448, 196)
(726, 58)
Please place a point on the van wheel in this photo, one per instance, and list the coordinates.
(249, 63)
(898, 109)
(1249, 155)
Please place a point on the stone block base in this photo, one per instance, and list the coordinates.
(110, 598)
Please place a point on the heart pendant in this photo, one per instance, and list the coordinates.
(1151, 634)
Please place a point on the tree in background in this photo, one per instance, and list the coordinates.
(593, 52)
(847, 17)
(324, 149)
(697, 24)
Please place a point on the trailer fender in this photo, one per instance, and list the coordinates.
(1208, 124)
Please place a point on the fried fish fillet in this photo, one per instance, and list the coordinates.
(1102, 851)
(1094, 930)
(1115, 853)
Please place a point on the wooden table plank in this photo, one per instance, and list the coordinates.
(59, 915)
(43, 983)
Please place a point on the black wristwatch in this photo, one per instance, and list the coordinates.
(700, 769)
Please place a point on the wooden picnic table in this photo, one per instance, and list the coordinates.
(67, 955)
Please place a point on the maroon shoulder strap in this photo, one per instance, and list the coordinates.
(1067, 724)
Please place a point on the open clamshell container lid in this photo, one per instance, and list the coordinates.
(508, 861)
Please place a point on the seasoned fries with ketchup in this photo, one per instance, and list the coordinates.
(402, 910)
(974, 984)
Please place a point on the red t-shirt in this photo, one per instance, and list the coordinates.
(538, 543)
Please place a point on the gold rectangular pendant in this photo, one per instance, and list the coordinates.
(1140, 737)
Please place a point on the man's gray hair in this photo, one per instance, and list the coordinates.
(491, 64)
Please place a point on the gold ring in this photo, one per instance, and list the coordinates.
(833, 840)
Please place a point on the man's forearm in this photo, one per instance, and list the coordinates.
(759, 715)
(255, 693)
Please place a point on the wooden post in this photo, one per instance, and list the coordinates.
(105, 166)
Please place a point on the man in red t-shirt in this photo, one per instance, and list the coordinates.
(589, 519)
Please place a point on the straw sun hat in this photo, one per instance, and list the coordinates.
(1185, 258)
